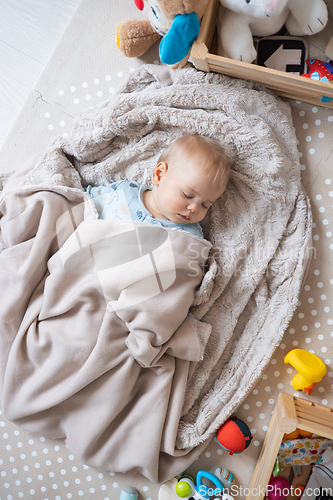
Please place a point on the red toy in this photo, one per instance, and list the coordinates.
(318, 70)
(234, 435)
(278, 488)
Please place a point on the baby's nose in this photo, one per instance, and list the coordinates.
(193, 207)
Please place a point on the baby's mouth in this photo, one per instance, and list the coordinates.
(185, 217)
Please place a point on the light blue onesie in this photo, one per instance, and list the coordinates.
(123, 200)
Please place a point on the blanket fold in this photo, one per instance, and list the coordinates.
(133, 342)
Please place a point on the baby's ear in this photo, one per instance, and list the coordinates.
(160, 170)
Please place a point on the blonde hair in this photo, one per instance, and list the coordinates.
(210, 153)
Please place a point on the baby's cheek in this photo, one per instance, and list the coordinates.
(176, 205)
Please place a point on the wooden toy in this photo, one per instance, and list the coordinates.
(290, 412)
(285, 84)
(311, 369)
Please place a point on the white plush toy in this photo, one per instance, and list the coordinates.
(240, 20)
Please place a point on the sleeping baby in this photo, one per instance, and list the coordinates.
(189, 177)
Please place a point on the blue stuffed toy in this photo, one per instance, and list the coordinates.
(175, 23)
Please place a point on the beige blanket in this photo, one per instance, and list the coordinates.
(97, 345)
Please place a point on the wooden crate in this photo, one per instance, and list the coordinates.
(284, 84)
(290, 412)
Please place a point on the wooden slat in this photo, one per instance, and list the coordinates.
(266, 460)
(286, 413)
(316, 427)
(207, 27)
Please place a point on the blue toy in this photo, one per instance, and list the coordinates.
(128, 493)
(185, 488)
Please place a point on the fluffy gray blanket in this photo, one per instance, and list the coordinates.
(82, 355)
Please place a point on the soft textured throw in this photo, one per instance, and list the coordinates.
(97, 345)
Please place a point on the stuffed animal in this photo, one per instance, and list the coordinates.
(175, 22)
(240, 20)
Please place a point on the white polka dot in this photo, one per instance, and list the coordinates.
(76, 101)
(88, 97)
(276, 374)
(249, 419)
(323, 297)
(61, 92)
(305, 126)
(207, 454)
(47, 115)
(325, 222)
(316, 237)
(111, 90)
(84, 85)
(324, 401)
(316, 272)
(318, 197)
(246, 407)
(320, 284)
(280, 386)
(255, 391)
(262, 416)
(219, 451)
(328, 234)
(292, 331)
(312, 151)
(301, 315)
(318, 122)
(145, 488)
(323, 349)
(317, 325)
(72, 88)
(62, 123)
(267, 388)
(330, 118)
(302, 113)
(99, 93)
(96, 81)
(308, 340)
(115, 485)
(321, 135)
(295, 343)
(258, 403)
(310, 300)
(326, 309)
(308, 138)
(314, 109)
(304, 328)
(120, 74)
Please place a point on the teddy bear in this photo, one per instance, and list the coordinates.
(175, 22)
(240, 20)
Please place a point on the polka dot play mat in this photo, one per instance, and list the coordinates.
(82, 74)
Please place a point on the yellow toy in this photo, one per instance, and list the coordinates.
(311, 369)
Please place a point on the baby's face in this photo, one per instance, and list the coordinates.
(183, 193)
